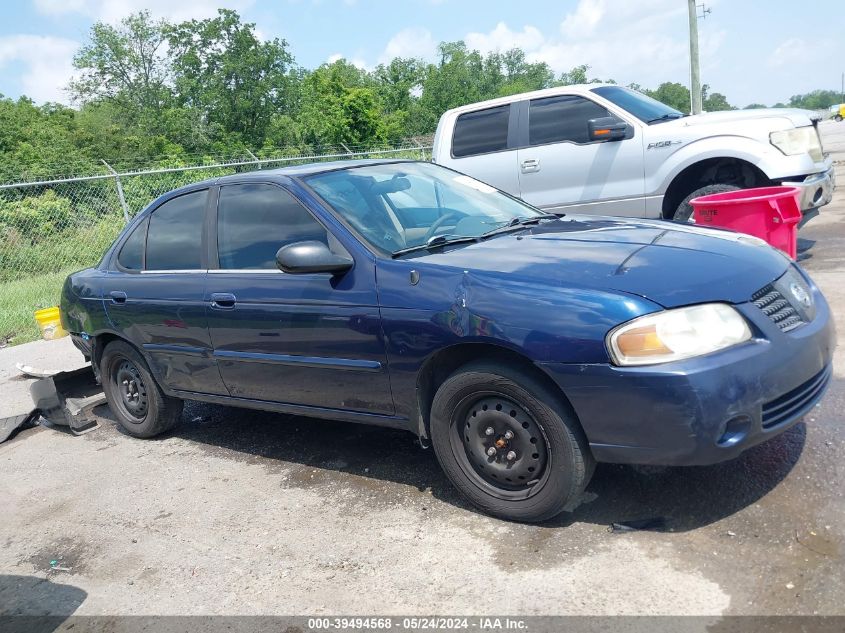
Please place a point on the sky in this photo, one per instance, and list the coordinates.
(751, 50)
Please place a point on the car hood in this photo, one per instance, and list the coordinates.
(670, 264)
(793, 116)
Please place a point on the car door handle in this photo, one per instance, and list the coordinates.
(530, 164)
(223, 300)
(117, 296)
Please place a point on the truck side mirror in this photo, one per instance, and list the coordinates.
(607, 128)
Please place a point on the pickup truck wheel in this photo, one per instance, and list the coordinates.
(508, 444)
(684, 211)
(133, 395)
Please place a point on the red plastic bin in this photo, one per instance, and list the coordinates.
(770, 213)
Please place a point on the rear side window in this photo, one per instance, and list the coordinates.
(481, 132)
(174, 239)
(131, 256)
(256, 220)
(561, 119)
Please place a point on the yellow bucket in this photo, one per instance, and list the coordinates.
(50, 323)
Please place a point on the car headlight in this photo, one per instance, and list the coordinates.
(676, 334)
(800, 140)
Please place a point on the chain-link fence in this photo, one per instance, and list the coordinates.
(50, 228)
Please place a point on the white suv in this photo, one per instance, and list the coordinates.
(606, 149)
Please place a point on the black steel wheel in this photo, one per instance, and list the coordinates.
(509, 442)
(129, 383)
(134, 396)
(500, 445)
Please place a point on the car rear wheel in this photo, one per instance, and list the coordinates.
(133, 395)
(508, 443)
(684, 211)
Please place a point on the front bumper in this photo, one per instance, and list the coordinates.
(704, 410)
(816, 190)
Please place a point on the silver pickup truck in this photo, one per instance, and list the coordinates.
(606, 149)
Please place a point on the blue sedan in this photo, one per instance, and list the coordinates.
(524, 347)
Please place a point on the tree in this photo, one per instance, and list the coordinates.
(222, 69)
(714, 102)
(125, 65)
(339, 105)
(816, 100)
(673, 94)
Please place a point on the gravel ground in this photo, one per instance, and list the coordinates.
(240, 512)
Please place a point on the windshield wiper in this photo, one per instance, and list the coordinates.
(437, 241)
(670, 116)
(520, 223)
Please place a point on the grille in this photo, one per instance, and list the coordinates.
(795, 402)
(777, 307)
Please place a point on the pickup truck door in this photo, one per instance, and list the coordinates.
(561, 170)
(313, 340)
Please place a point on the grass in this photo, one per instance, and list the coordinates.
(19, 299)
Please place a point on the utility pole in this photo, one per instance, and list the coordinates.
(695, 72)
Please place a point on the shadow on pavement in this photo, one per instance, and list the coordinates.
(36, 605)
(688, 497)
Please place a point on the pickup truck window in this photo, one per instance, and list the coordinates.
(256, 220)
(562, 118)
(645, 108)
(174, 240)
(481, 132)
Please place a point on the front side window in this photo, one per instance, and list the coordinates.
(131, 256)
(481, 132)
(561, 119)
(255, 220)
(174, 239)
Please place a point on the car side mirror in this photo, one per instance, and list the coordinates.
(607, 128)
(311, 257)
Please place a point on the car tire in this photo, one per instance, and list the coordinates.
(133, 394)
(535, 473)
(684, 214)
(838, 118)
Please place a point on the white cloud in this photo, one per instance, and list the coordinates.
(46, 64)
(644, 41)
(411, 42)
(355, 61)
(502, 38)
(111, 11)
(582, 22)
(798, 51)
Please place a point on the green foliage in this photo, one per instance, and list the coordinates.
(125, 65)
(36, 217)
(816, 100)
(672, 94)
(222, 69)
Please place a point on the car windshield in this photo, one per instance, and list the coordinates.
(645, 108)
(401, 206)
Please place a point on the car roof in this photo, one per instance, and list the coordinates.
(292, 171)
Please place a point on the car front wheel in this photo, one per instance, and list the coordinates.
(134, 397)
(508, 443)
